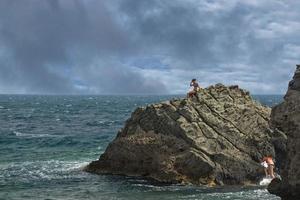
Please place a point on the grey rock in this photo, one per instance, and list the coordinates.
(295, 83)
(217, 138)
(285, 117)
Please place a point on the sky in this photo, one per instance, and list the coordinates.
(147, 46)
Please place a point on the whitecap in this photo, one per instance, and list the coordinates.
(110, 122)
(17, 133)
(20, 134)
(71, 166)
(1, 107)
(48, 170)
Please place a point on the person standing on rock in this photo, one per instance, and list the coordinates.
(268, 164)
(194, 88)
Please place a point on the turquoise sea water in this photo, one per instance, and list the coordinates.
(46, 140)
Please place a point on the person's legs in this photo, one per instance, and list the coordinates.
(266, 171)
(191, 94)
(194, 94)
(271, 171)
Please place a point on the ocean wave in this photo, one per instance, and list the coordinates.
(100, 123)
(30, 135)
(246, 194)
(43, 170)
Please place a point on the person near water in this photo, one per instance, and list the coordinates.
(194, 88)
(268, 164)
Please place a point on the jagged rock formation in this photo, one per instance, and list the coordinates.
(285, 117)
(217, 138)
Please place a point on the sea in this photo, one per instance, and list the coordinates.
(46, 140)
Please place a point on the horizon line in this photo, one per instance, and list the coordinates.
(111, 94)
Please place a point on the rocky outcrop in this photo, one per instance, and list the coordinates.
(285, 117)
(217, 138)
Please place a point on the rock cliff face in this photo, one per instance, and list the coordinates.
(217, 138)
(286, 117)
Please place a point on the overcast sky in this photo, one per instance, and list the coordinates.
(147, 46)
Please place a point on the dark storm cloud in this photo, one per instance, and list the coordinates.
(201, 32)
(151, 46)
(38, 39)
(241, 37)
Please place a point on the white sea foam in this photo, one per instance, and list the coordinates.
(76, 166)
(52, 169)
(100, 148)
(20, 134)
(265, 181)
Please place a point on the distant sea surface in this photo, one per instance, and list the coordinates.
(46, 140)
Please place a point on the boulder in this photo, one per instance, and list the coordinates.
(285, 117)
(215, 138)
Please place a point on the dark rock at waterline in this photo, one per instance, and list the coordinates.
(217, 138)
(285, 117)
